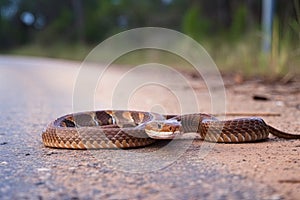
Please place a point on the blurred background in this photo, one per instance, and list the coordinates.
(251, 37)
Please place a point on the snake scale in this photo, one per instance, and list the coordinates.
(127, 129)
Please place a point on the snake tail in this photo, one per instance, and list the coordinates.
(282, 134)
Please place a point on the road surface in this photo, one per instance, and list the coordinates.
(34, 91)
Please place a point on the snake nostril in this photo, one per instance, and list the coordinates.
(159, 126)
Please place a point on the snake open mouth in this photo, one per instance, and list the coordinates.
(168, 129)
(162, 135)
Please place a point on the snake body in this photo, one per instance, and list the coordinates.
(127, 129)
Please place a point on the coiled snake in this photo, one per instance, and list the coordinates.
(126, 129)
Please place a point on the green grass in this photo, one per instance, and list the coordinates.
(58, 50)
(243, 56)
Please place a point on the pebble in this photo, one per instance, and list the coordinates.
(3, 163)
(279, 103)
(50, 153)
(276, 197)
(43, 169)
(72, 169)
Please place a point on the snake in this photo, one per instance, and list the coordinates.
(130, 129)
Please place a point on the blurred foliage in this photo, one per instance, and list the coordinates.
(195, 25)
(228, 29)
(92, 21)
(238, 25)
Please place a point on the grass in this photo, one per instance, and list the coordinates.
(57, 50)
(243, 56)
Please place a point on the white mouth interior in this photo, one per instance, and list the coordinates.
(161, 134)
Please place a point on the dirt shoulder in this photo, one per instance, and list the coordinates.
(274, 162)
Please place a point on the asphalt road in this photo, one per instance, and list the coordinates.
(35, 91)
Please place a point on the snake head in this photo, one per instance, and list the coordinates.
(163, 129)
